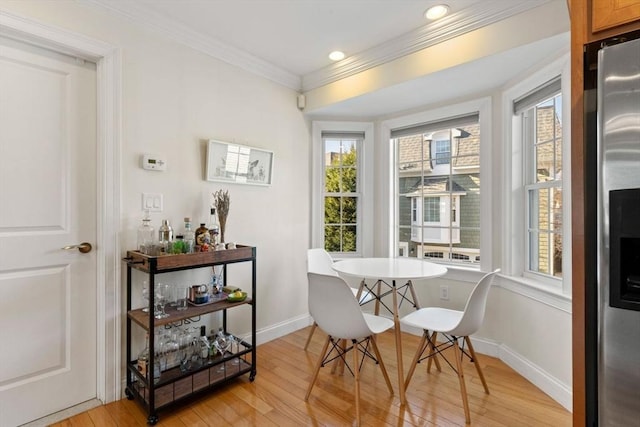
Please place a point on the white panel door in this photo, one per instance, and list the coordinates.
(47, 201)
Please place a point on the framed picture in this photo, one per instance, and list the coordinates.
(239, 164)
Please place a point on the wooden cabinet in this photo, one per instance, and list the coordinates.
(607, 14)
(175, 384)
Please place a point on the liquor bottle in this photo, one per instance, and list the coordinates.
(143, 358)
(188, 236)
(214, 228)
(165, 235)
(146, 236)
(203, 238)
(143, 363)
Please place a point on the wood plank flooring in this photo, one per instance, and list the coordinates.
(276, 397)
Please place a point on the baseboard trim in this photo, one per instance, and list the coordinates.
(558, 391)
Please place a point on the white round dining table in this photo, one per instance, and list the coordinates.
(389, 271)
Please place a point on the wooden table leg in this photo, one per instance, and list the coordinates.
(396, 322)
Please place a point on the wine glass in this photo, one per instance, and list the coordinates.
(161, 298)
(223, 344)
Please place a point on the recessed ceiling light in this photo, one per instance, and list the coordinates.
(436, 12)
(336, 55)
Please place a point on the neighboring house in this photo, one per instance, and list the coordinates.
(439, 206)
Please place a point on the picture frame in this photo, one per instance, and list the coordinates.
(238, 164)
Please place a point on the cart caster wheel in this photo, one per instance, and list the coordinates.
(152, 420)
(128, 393)
(252, 377)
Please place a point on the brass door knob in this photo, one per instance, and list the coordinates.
(83, 247)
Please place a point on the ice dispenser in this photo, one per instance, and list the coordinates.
(624, 243)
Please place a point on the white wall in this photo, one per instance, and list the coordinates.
(173, 100)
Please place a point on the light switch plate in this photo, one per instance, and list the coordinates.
(152, 202)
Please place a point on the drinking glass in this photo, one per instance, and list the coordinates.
(171, 350)
(161, 299)
(145, 296)
(185, 349)
(183, 295)
(223, 344)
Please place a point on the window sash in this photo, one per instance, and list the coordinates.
(541, 243)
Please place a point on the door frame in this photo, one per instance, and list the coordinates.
(108, 60)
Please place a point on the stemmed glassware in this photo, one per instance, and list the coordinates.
(161, 298)
(223, 344)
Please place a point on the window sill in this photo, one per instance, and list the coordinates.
(535, 290)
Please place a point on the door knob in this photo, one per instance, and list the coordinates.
(83, 247)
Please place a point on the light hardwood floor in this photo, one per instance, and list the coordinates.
(276, 397)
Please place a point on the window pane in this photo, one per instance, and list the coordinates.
(332, 238)
(348, 238)
(545, 162)
(545, 231)
(332, 210)
(349, 210)
(431, 209)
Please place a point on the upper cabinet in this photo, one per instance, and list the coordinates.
(608, 14)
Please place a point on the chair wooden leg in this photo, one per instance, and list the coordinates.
(463, 387)
(381, 363)
(338, 364)
(378, 291)
(318, 366)
(356, 375)
(477, 363)
(433, 354)
(313, 329)
(416, 357)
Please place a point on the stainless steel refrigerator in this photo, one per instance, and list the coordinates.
(618, 235)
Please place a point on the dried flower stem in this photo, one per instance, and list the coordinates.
(222, 201)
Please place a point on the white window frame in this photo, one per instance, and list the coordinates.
(515, 253)
(483, 106)
(365, 184)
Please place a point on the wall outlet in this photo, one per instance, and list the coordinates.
(444, 292)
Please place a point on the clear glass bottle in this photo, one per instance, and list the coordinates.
(146, 236)
(165, 235)
(188, 236)
(214, 228)
(143, 358)
(205, 345)
(143, 363)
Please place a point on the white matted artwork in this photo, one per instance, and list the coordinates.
(240, 164)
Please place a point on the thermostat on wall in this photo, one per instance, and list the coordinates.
(154, 163)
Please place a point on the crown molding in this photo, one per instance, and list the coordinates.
(208, 45)
(472, 18)
(478, 15)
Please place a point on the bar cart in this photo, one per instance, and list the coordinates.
(174, 384)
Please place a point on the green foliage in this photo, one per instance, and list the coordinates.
(341, 213)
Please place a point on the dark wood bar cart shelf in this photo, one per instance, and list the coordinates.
(173, 384)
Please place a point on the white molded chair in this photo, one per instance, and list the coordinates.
(319, 261)
(337, 312)
(453, 325)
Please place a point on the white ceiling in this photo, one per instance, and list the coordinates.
(288, 40)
